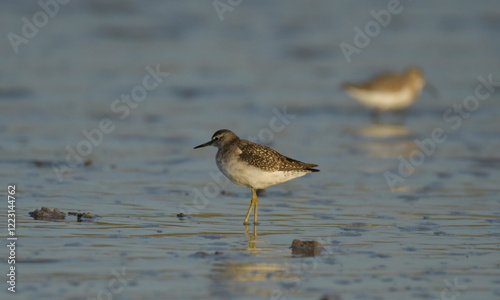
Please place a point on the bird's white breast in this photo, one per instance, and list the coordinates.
(385, 100)
(249, 176)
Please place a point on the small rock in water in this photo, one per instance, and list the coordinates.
(79, 215)
(205, 254)
(46, 214)
(306, 248)
(54, 215)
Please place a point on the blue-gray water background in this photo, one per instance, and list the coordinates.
(270, 71)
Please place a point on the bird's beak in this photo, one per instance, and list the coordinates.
(203, 145)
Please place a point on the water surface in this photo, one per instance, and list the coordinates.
(270, 72)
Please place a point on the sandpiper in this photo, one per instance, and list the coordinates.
(252, 165)
(388, 91)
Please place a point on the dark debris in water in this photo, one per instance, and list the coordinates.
(81, 216)
(182, 216)
(45, 213)
(306, 248)
(203, 254)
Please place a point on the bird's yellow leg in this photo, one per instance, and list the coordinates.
(252, 203)
(255, 200)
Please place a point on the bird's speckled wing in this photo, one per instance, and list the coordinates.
(270, 160)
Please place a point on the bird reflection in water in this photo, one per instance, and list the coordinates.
(386, 140)
(252, 238)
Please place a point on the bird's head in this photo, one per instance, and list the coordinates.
(219, 139)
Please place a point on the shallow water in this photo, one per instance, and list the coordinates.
(270, 72)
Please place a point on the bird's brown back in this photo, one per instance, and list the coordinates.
(269, 159)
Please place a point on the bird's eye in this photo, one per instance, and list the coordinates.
(216, 138)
